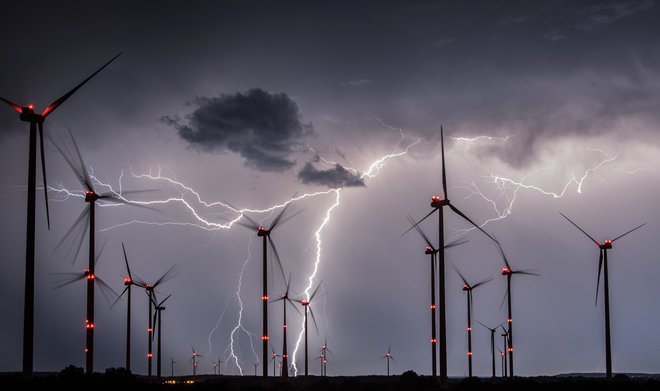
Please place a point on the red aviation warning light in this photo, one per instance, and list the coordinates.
(127, 281)
(506, 271)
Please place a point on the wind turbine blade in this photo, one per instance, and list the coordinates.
(120, 200)
(293, 305)
(69, 281)
(82, 217)
(456, 242)
(506, 261)
(279, 216)
(506, 293)
(105, 290)
(600, 266)
(100, 251)
(581, 230)
(277, 257)
(83, 167)
(484, 325)
(311, 297)
(526, 273)
(459, 273)
(43, 170)
(66, 96)
(419, 231)
(276, 300)
(155, 319)
(164, 300)
(289, 217)
(128, 268)
(168, 274)
(316, 326)
(444, 173)
(417, 223)
(74, 167)
(249, 226)
(119, 297)
(458, 212)
(634, 229)
(13, 105)
(254, 225)
(484, 281)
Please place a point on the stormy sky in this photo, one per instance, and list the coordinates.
(546, 107)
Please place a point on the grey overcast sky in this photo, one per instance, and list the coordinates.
(547, 106)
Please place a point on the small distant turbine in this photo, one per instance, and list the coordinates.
(492, 341)
(389, 357)
(469, 288)
(306, 305)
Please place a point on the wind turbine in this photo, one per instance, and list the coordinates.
(274, 359)
(193, 359)
(438, 204)
(389, 357)
(602, 265)
(128, 282)
(172, 362)
(88, 215)
(149, 289)
(503, 359)
(158, 307)
(509, 272)
(255, 367)
(285, 356)
(505, 345)
(265, 234)
(492, 341)
(27, 114)
(88, 275)
(432, 251)
(469, 288)
(324, 354)
(305, 303)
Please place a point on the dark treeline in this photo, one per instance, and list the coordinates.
(74, 378)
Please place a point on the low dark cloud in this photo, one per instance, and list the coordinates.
(264, 128)
(334, 178)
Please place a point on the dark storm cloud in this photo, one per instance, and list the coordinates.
(263, 128)
(334, 177)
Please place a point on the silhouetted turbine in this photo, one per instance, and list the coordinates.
(492, 341)
(128, 282)
(88, 215)
(158, 309)
(389, 357)
(265, 233)
(432, 251)
(285, 299)
(27, 114)
(509, 272)
(437, 204)
(150, 291)
(602, 265)
(469, 288)
(193, 359)
(306, 305)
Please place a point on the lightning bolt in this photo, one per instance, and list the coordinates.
(373, 170)
(508, 189)
(191, 199)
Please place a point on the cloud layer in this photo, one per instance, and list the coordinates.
(263, 128)
(334, 177)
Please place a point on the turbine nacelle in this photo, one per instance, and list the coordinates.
(606, 246)
(430, 250)
(261, 231)
(304, 302)
(506, 271)
(128, 281)
(466, 287)
(438, 202)
(28, 115)
(90, 196)
(88, 274)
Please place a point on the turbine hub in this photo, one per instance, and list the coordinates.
(90, 196)
(607, 245)
(506, 271)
